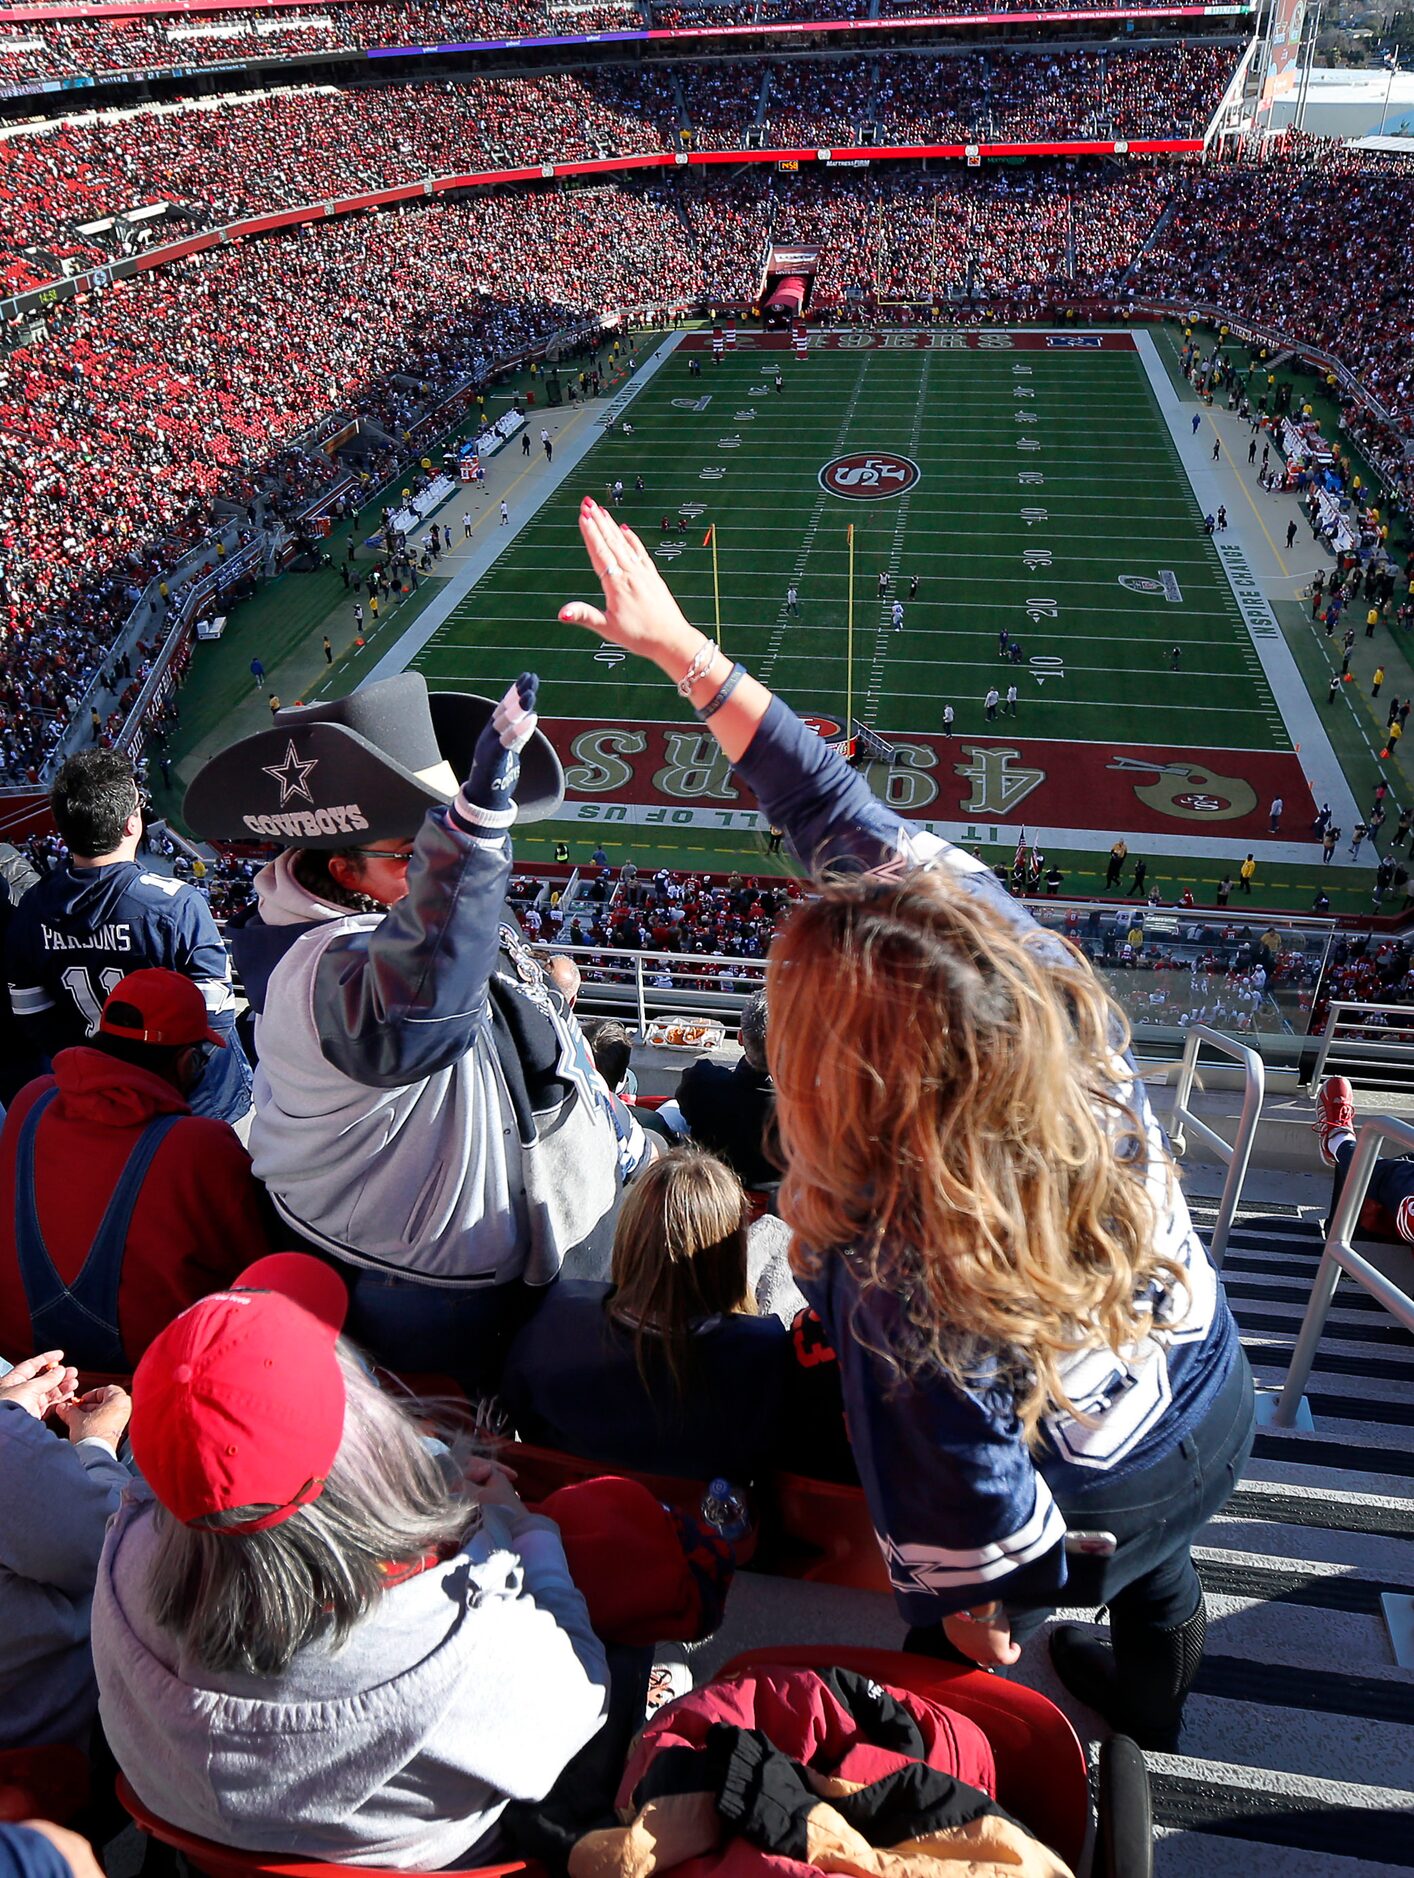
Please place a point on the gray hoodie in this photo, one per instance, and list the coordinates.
(55, 1502)
(471, 1684)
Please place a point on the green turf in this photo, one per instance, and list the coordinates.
(1116, 499)
(1123, 496)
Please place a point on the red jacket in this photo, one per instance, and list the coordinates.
(200, 1217)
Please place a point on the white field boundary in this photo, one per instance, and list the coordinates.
(1214, 484)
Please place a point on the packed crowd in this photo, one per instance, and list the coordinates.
(147, 44)
(230, 158)
(908, 236)
(1165, 964)
(1273, 244)
(152, 43)
(111, 455)
(1367, 971)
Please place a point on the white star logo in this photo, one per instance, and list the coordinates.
(291, 774)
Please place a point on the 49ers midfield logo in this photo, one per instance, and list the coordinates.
(869, 475)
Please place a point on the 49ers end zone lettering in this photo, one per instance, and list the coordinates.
(669, 769)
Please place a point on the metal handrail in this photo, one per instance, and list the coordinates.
(1376, 1049)
(1339, 1256)
(1236, 1153)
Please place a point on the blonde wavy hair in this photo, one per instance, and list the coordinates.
(952, 1113)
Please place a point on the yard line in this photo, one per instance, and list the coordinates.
(1004, 726)
(812, 527)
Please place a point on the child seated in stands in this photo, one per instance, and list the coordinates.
(666, 1369)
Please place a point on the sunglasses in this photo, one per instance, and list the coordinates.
(400, 858)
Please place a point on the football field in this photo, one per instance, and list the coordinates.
(1019, 484)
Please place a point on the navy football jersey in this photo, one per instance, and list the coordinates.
(80, 930)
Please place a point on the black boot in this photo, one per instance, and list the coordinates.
(1140, 1684)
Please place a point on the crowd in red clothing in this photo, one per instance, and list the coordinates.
(111, 452)
(31, 52)
(226, 159)
(1373, 971)
(1321, 250)
(156, 42)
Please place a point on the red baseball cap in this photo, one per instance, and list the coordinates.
(240, 1401)
(157, 1006)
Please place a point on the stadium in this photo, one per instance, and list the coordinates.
(705, 874)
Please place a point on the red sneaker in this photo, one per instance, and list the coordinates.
(1335, 1113)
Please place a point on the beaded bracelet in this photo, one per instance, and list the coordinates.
(714, 704)
(699, 667)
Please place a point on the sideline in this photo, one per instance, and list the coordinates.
(573, 441)
(1249, 572)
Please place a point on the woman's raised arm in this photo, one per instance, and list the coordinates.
(641, 615)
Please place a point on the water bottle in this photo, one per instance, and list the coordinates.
(724, 1509)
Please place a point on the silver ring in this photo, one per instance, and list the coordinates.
(611, 570)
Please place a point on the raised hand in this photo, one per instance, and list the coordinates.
(489, 791)
(639, 612)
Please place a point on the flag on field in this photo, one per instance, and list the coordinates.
(708, 536)
(1019, 860)
(849, 533)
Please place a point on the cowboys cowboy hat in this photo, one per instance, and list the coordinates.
(362, 768)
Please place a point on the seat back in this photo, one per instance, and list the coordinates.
(1042, 1775)
(227, 1861)
(539, 1471)
(829, 1535)
(42, 1783)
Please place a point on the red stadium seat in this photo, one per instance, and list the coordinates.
(539, 1471)
(831, 1522)
(225, 1861)
(1042, 1777)
(42, 1783)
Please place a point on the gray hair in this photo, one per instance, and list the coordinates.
(752, 1033)
(251, 1600)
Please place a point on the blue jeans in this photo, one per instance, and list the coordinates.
(1154, 1514)
(1149, 1582)
(1391, 1182)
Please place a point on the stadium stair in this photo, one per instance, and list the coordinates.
(763, 99)
(1298, 1744)
(1154, 234)
(1300, 1733)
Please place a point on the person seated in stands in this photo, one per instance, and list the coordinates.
(612, 1049)
(1387, 1211)
(56, 1498)
(426, 1109)
(656, 1370)
(730, 1108)
(19, 1059)
(118, 1206)
(309, 1638)
(564, 973)
(1031, 1336)
(81, 928)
